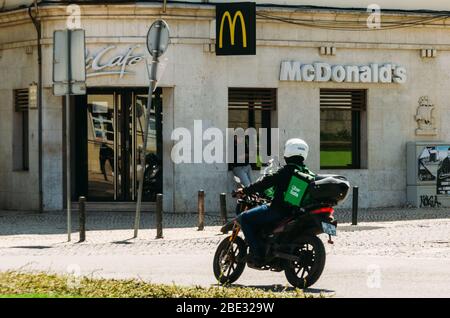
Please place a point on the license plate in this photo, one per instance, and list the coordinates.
(329, 229)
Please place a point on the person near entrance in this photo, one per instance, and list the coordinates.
(106, 155)
(240, 166)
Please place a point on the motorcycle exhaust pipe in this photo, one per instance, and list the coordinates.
(286, 256)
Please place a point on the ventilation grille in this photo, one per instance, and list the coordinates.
(340, 99)
(21, 99)
(252, 98)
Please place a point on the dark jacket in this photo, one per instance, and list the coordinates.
(280, 181)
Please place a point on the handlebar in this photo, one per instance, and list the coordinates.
(252, 198)
(235, 193)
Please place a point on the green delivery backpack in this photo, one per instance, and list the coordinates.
(296, 190)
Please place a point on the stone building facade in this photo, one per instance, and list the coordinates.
(195, 85)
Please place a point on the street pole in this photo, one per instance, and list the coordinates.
(68, 190)
(159, 216)
(82, 217)
(201, 210)
(355, 206)
(68, 57)
(151, 88)
(68, 174)
(223, 208)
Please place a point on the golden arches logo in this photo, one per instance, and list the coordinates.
(232, 24)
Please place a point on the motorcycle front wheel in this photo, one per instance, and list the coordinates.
(229, 260)
(307, 270)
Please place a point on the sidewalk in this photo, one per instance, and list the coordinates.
(23, 222)
(43, 234)
(46, 233)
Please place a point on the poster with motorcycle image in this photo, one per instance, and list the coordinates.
(434, 165)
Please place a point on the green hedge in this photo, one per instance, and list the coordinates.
(43, 285)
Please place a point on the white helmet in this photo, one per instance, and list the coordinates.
(296, 147)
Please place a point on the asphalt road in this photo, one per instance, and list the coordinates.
(344, 276)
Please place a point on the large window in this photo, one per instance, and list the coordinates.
(252, 108)
(342, 128)
(20, 130)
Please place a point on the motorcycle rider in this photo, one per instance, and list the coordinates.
(295, 153)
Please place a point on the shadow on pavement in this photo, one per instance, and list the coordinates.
(124, 242)
(355, 228)
(277, 288)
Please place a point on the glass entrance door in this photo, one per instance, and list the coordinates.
(115, 131)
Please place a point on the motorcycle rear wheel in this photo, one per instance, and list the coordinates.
(312, 255)
(229, 260)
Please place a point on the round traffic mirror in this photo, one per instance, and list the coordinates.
(158, 38)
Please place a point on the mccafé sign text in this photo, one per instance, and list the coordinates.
(324, 72)
(109, 62)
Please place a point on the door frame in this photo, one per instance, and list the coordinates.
(80, 136)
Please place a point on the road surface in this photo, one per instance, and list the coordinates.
(373, 259)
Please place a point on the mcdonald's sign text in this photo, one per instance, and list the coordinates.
(236, 28)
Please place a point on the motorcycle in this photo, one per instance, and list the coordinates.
(292, 245)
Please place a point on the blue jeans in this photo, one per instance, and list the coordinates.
(254, 219)
(244, 173)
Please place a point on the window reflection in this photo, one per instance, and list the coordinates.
(100, 117)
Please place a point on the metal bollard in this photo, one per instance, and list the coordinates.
(82, 215)
(201, 210)
(223, 208)
(355, 206)
(159, 217)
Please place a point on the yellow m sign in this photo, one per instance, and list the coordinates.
(232, 25)
(229, 18)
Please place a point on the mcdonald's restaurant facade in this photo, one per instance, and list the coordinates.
(357, 97)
